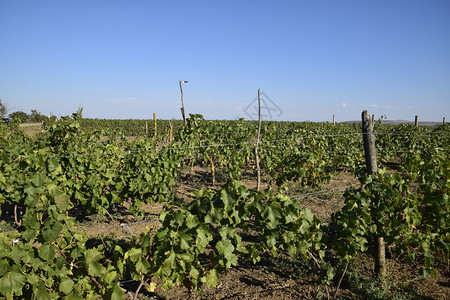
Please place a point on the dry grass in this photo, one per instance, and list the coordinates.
(31, 129)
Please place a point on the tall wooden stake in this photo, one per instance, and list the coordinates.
(416, 121)
(156, 129)
(334, 119)
(371, 164)
(258, 170)
(170, 131)
(182, 103)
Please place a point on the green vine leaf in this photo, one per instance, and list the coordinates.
(66, 285)
(91, 258)
(12, 282)
(212, 279)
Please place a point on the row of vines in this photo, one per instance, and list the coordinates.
(68, 167)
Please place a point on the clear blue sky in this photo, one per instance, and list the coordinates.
(123, 59)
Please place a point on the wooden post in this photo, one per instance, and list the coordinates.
(182, 103)
(369, 143)
(170, 131)
(416, 121)
(371, 164)
(373, 118)
(184, 117)
(154, 120)
(146, 128)
(334, 119)
(443, 121)
(258, 170)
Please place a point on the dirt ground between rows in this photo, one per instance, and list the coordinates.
(280, 278)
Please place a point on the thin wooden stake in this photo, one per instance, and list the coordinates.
(258, 170)
(371, 164)
(416, 121)
(334, 119)
(146, 128)
(184, 118)
(182, 103)
(156, 129)
(170, 131)
(340, 280)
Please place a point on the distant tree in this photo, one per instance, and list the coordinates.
(52, 117)
(3, 109)
(23, 116)
(37, 117)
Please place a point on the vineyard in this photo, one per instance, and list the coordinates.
(104, 209)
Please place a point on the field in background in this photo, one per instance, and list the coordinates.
(31, 129)
(146, 127)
